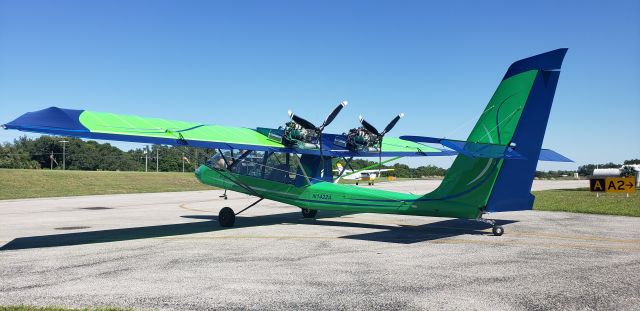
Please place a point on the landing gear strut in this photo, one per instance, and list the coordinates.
(309, 213)
(226, 216)
(497, 230)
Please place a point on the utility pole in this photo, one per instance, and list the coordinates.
(51, 159)
(146, 159)
(157, 156)
(183, 162)
(64, 154)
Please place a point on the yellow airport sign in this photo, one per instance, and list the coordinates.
(613, 184)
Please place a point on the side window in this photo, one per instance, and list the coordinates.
(276, 168)
(248, 163)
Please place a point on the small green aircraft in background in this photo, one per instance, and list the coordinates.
(493, 170)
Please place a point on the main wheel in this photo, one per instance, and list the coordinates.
(226, 217)
(497, 230)
(309, 213)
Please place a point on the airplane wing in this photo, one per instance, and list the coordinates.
(130, 128)
(375, 171)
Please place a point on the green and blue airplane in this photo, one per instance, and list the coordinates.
(493, 170)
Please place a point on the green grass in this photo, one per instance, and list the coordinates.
(584, 201)
(31, 308)
(20, 184)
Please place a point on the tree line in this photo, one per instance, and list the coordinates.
(587, 170)
(46, 152)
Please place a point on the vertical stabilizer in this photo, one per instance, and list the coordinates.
(516, 115)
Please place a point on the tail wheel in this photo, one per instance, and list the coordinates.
(497, 230)
(309, 213)
(226, 217)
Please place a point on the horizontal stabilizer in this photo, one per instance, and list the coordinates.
(486, 150)
(481, 150)
(550, 155)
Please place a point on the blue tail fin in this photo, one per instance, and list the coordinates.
(512, 189)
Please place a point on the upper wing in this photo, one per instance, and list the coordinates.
(109, 126)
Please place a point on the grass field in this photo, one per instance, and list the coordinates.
(20, 184)
(584, 201)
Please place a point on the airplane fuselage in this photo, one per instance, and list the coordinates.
(339, 197)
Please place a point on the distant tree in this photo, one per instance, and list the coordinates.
(587, 170)
(430, 170)
(632, 161)
(90, 155)
(628, 171)
(11, 157)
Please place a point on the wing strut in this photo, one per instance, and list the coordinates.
(347, 163)
(250, 206)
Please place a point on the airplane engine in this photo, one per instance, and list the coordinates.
(360, 139)
(297, 135)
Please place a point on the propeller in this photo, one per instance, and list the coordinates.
(318, 129)
(379, 135)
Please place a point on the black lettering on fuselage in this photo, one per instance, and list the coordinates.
(322, 196)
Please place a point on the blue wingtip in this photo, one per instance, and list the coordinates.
(551, 60)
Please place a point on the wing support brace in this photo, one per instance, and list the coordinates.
(347, 163)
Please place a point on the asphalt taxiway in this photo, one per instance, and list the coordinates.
(166, 251)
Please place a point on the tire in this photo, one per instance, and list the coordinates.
(497, 230)
(226, 217)
(309, 213)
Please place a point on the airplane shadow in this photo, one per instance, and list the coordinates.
(387, 233)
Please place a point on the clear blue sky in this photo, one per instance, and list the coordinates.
(244, 63)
